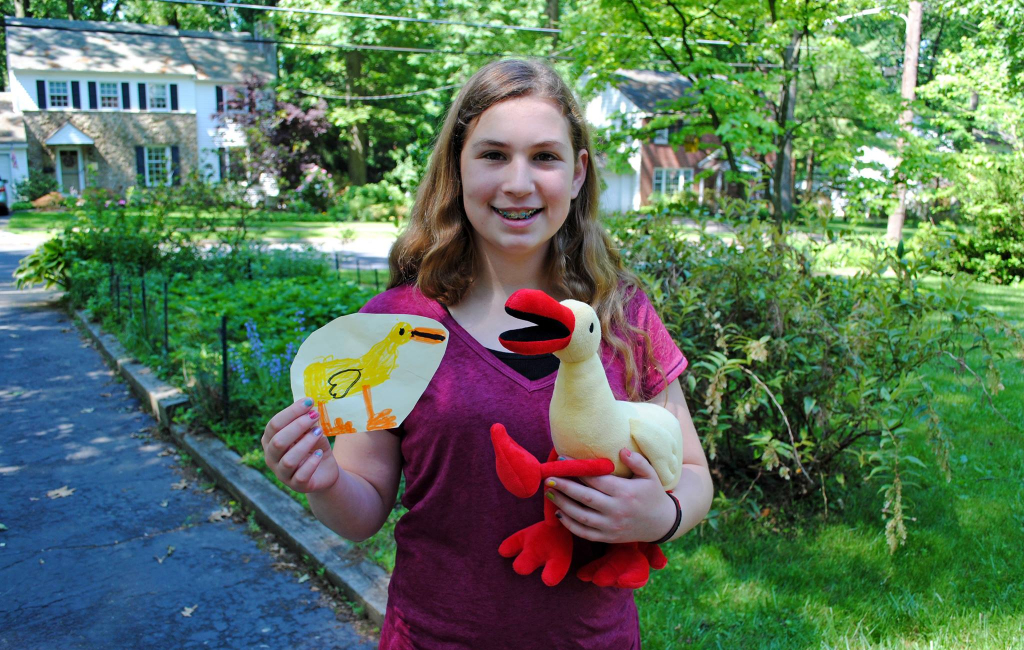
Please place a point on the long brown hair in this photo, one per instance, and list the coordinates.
(436, 250)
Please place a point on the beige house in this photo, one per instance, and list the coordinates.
(117, 104)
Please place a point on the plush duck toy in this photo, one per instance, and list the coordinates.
(589, 426)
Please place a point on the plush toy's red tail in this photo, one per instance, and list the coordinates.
(517, 469)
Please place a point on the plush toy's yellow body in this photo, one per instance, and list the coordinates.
(588, 422)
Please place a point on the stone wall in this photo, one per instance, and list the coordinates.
(115, 134)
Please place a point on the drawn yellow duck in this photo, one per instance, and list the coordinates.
(329, 379)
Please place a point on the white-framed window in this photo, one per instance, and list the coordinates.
(158, 166)
(661, 136)
(156, 95)
(110, 95)
(59, 95)
(672, 180)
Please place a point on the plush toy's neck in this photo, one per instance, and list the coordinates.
(582, 386)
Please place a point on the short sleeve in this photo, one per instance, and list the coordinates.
(668, 360)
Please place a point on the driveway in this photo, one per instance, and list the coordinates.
(104, 541)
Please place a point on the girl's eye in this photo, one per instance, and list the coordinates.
(493, 155)
(547, 157)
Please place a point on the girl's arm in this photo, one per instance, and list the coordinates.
(351, 488)
(695, 490)
(360, 500)
(617, 510)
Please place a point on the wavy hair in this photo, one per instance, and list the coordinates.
(436, 252)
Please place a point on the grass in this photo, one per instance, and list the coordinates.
(269, 226)
(814, 582)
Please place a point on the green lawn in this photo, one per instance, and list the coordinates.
(831, 583)
(269, 226)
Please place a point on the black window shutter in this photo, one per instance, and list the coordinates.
(142, 97)
(220, 99)
(174, 97)
(76, 95)
(126, 96)
(93, 104)
(140, 163)
(220, 159)
(175, 166)
(41, 94)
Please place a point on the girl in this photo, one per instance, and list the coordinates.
(509, 202)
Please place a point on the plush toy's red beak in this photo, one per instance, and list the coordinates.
(553, 323)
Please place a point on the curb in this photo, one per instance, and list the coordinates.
(360, 580)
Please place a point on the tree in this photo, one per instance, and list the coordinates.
(907, 89)
(749, 65)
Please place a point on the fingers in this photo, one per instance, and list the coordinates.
(635, 461)
(285, 417)
(308, 467)
(299, 452)
(277, 445)
(580, 529)
(584, 495)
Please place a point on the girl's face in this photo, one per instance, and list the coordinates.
(519, 174)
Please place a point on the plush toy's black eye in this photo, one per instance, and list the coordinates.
(591, 328)
(401, 332)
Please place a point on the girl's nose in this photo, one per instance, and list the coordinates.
(518, 180)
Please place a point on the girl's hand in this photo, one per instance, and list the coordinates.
(613, 509)
(296, 450)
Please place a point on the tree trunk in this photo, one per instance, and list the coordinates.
(809, 173)
(552, 13)
(71, 8)
(358, 142)
(894, 232)
(782, 192)
(20, 7)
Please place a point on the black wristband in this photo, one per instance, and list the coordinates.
(675, 526)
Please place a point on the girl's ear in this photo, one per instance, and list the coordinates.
(579, 174)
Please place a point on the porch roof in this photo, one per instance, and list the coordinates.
(68, 135)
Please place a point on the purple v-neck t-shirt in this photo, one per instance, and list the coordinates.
(450, 588)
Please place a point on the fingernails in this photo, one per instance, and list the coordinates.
(318, 453)
(308, 401)
(549, 495)
(559, 458)
(628, 453)
(550, 482)
(313, 415)
(317, 432)
(558, 515)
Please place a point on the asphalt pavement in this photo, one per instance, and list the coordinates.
(101, 544)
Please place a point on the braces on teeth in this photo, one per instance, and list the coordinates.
(518, 215)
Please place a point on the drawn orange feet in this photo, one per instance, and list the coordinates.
(339, 426)
(382, 420)
(377, 421)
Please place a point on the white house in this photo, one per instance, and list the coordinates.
(657, 165)
(113, 104)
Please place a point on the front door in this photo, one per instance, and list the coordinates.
(70, 166)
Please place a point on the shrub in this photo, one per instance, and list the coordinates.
(800, 379)
(993, 253)
(36, 185)
(382, 201)
(990, 243)
(21, 205)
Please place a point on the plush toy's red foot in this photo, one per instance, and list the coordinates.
(541, 544)
(521, 473)
(624, 565)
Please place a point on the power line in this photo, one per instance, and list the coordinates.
(365, 98)
(210, 36)
(350, 14)
(432, 21)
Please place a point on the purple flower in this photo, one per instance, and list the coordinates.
(122, 202)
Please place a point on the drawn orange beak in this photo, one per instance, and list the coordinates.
(428, 335)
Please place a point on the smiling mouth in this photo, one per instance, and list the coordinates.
(517, 216)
